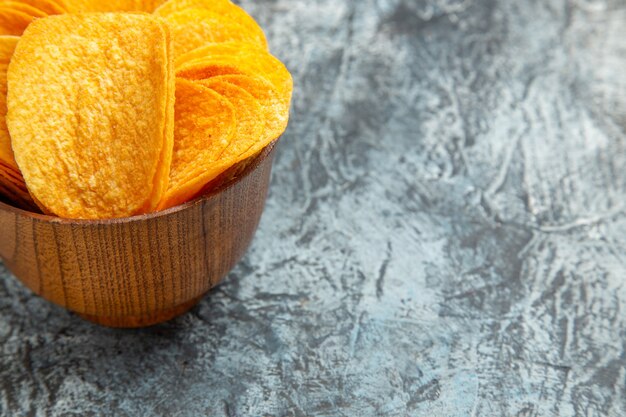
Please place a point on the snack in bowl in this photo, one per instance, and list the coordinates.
(115, 114)
(7, 47)
(133, 176)
(90, 115)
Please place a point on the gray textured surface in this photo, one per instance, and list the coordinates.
(445, 234)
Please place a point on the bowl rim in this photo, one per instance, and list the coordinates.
(45, 218)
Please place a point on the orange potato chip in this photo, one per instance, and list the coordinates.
(86, 6)
(13, 22)
(249, 115)
(251, 136)
(193, 28)
(19, 6)
(46, 6)
(249, 139)
(223, 49)
(163, 169)
(173, 6)
(204, 126)
(275, 110)
(236, 58)
(224, 8)
(89, 113)
(7, 46)
(254, 70)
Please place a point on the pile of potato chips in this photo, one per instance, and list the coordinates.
(122, 107)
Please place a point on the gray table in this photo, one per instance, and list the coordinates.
(445, 234)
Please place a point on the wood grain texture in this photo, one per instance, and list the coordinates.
(143, 270)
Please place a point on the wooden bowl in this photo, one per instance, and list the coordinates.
(142, 270)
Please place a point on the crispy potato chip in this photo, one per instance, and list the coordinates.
(276, 101)
(88, 6)
(88, 113)
(204, 126)
(193, 28)
(275, 110)
(48, 7)
(224, 8)
(23, 7)
(249, 115)
(7, 46)
(235, 58)
(249, 138)
(173, 6)
(163, 169)
(13, 22)
(254, 70)
(223, 49)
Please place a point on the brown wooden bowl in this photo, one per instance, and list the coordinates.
(142, 270)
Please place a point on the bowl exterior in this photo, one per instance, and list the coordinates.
(140, 271)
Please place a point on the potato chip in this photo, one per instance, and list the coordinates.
(250, 129)
(89, 110)
(204, 126)
(248, 67)
(275, 110)
(193, 28)
(48, 7)
(249, 115)
(7, 46)
(224, 8)
(173, 6)
(23, 7)
(223, 49)
(235, 58)
(163, 169)
(248, 140)
(13, 22)
(87, 6)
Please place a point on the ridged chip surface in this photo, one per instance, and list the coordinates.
(89, 107)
